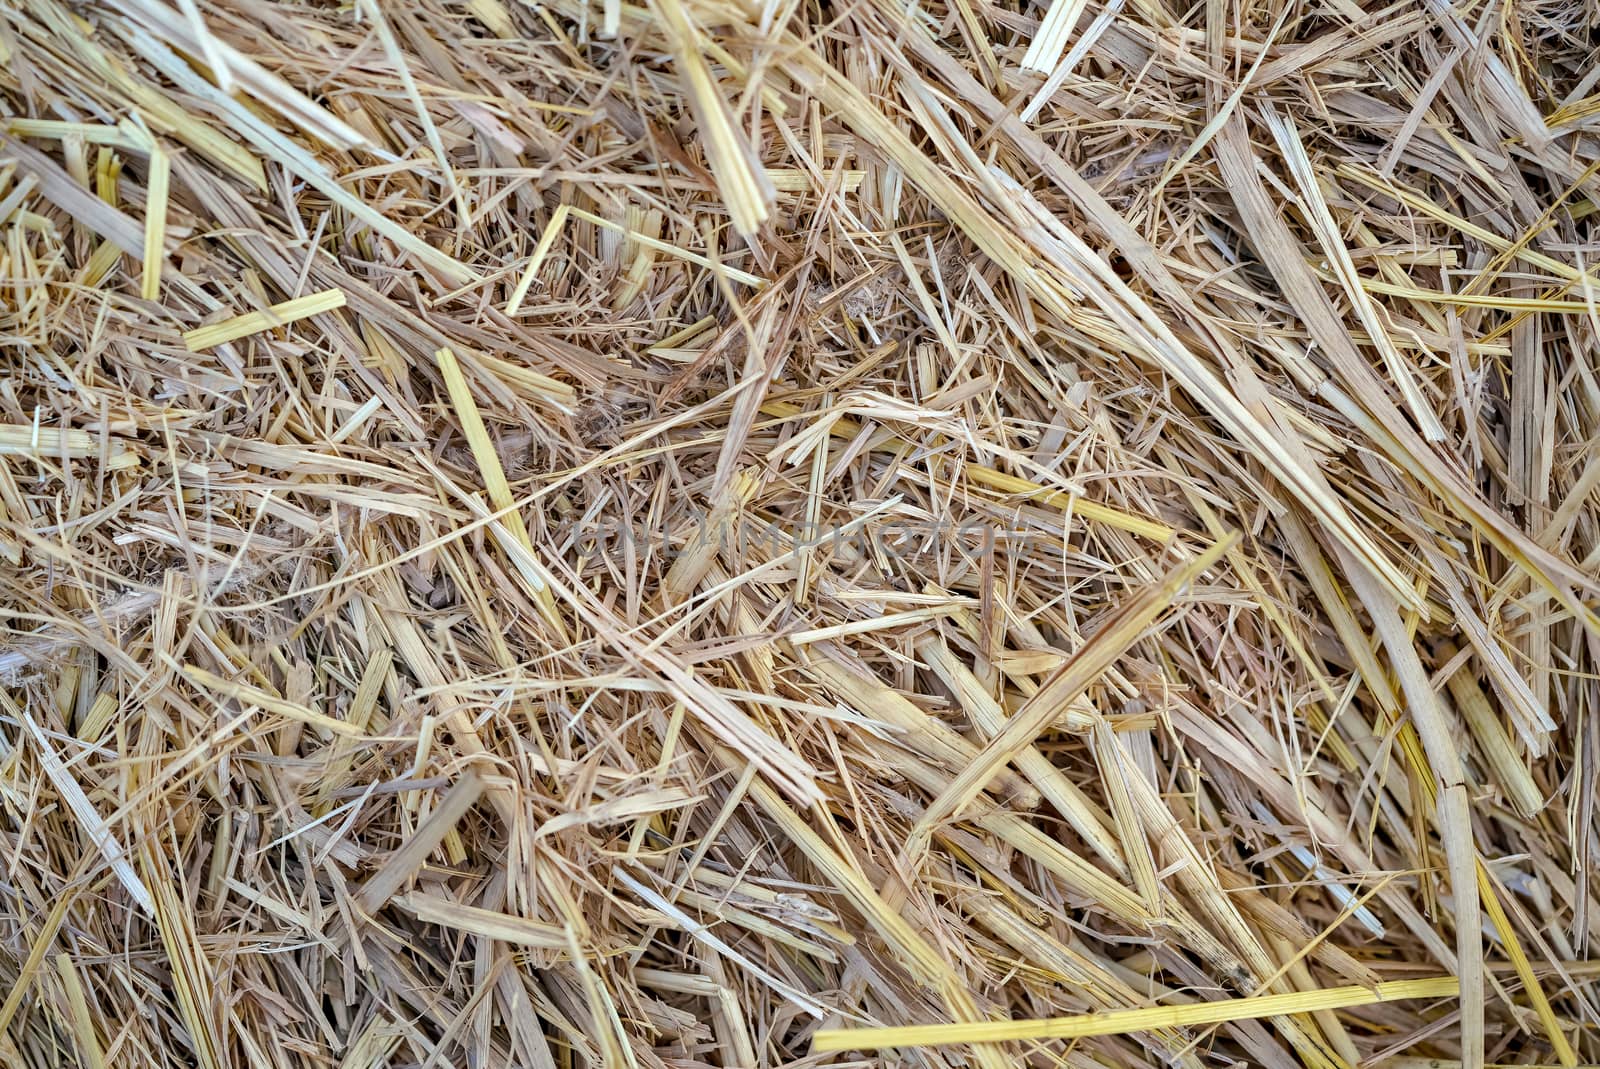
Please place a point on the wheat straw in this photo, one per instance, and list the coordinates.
(695, 533)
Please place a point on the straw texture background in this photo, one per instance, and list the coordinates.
(733, 534)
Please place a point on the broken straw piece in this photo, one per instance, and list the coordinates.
(94, 826)
(279, 315)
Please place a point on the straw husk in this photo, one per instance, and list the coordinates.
(704, 534)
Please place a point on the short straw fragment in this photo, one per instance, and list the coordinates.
(279, 315)
(155, 224)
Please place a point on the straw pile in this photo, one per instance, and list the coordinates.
(730, 534)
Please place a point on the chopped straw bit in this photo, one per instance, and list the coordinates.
(242, 326)
(698, 535)
(155, 224)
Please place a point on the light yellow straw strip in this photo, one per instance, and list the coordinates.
(876, 623)
(36, 441)
(671, 250)
(92, 133)
(552, 230)
(245, 694)
(494, 475)
(278, 315)
(1117, 1022)
(795, 180)
(1050, 40)
(1478, 300)
(1155, 530)
(155, 223)
(735, 167)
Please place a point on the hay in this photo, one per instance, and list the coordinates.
(713, 534)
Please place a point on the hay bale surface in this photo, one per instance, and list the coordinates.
(723, 534)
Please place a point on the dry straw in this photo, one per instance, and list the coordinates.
(695, 533)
